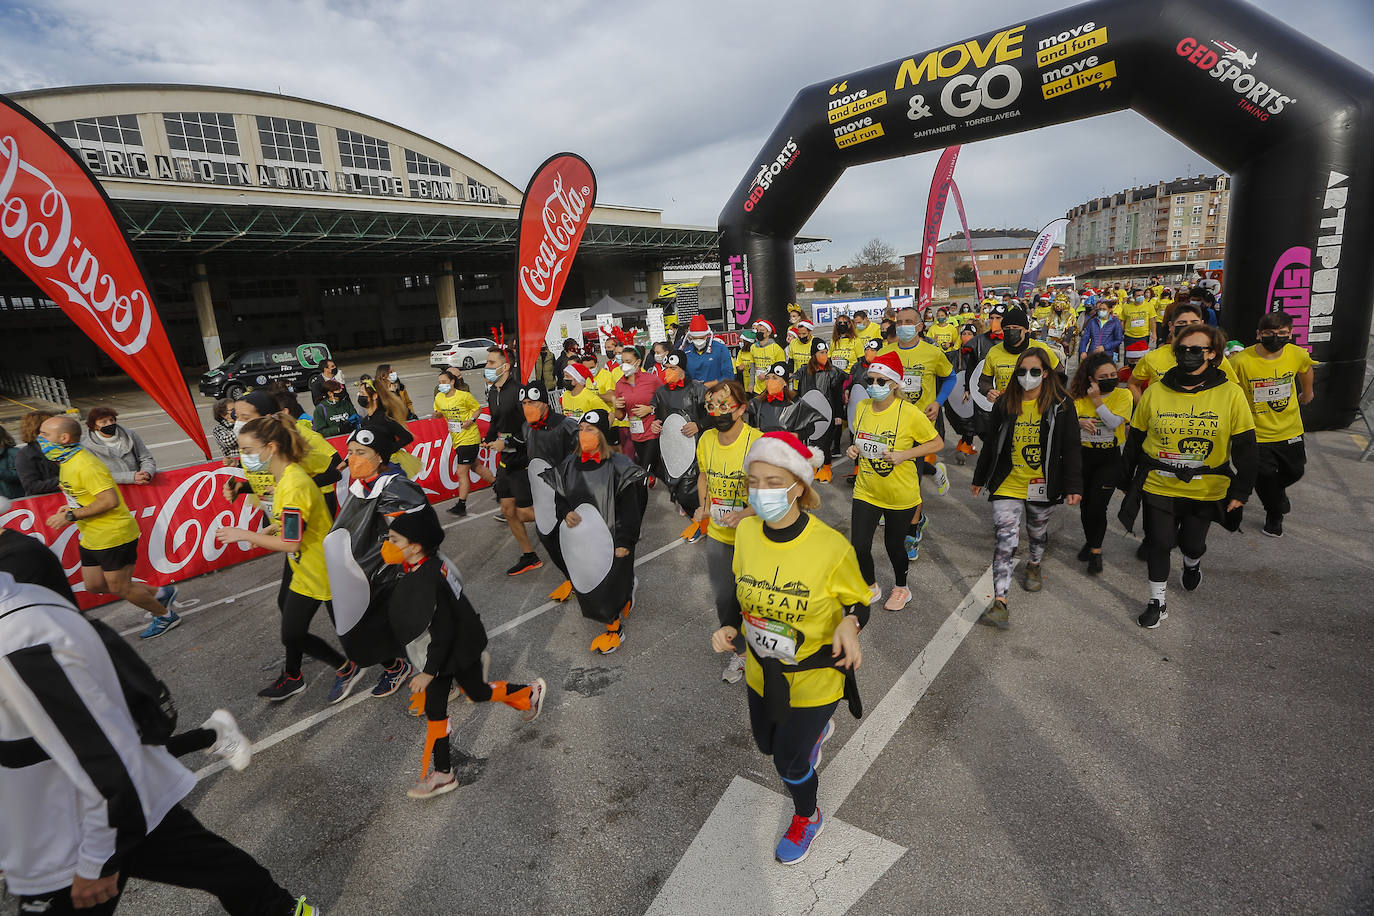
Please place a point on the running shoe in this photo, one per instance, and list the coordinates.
(167, 595)
(913, 547)
(344, 681)
(1192, 577)
(941, 480)
(898, 598)
(1033, 581)
(1273, 524)
(697, 533)
(921, 527)
(161, 625)
(230, 743)
(609, 641)
(435, 783)
(965, 448)
(459, 508)
(537, 692)
(284, 686)
(734, 669)
(1094, 564)
(824, 737)
(1153, 614)
(874, 593)
(996, 615)
(526, 562)
(796, 842)
(305, 909)
(391, 680)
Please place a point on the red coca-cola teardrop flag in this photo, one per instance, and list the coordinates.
(553, 215)
(56, 225)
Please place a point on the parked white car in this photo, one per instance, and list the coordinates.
(468, 353)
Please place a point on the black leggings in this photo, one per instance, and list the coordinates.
(790, 742)
(1101, 474)
(863, 524)
(1178, 522)
(296, 613)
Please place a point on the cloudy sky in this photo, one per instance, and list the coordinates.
(670, 102)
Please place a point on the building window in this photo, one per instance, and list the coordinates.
(288, 140)
(416, 164)
(1199, 198)
(202, 132)
(1196, 221)
(641, 282)
(359, 151)
(118, 130)
(350, 286)
(1197, 209)
(1176, 234)
(1178, 222)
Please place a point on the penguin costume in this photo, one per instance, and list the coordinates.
(601, 498)
(549, 438)
(353, 546)
(822, 377)
(676, 403)
(778, 410)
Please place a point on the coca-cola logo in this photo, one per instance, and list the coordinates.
(563, 216)
(184, 527)
(37, 219)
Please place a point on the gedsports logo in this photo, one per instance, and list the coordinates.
(770, 170)
(1258, 98)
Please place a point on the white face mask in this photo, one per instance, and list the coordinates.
(393, 377)
(1028, 381)
(239, 425)
(700, 342)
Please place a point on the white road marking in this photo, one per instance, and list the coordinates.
(230, 599)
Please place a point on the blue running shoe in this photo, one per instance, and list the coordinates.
(167, 596)
(825, 736)
(796, 842)
(161, 625)
(391, 681)
(344, 681)
(913, 547)
(921, 528)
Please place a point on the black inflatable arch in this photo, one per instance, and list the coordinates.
(1291, 121)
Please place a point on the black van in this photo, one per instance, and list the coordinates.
(261, 366)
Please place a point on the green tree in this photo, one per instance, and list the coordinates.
(845, 285)
(963, 273)
(824, 285)
(801, 287)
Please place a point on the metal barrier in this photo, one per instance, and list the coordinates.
(45, 387)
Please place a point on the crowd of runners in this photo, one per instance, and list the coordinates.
(1058, 400)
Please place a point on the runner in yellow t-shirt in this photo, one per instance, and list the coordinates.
(763, 354)
(456, 405)
(1104, 407)
(1001, 359)
(865, 329)
(1138, 316)
(1160, 360)
(583, 395)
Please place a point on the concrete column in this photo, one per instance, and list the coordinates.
(205, 317)
(448, 302)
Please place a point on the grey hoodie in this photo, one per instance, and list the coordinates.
(124, 453)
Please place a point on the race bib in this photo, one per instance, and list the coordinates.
(1265, 393)
(721, 507)
(636, 425)
(760, 374)
(1138, 322)
(911, 382)
(71, 501)
(840, 363)
(1035, 490)
(1178, 460)
(1056, 332)
(1103, 436)
(869, 447)
(771, 638)
(455, 426)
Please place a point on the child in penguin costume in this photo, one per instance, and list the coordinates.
(601, 497)
(362, 582)
(828, 383)
(685, 399)
(549, 438)
(431, 616)
(777, 409)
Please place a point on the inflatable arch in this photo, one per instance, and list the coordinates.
(1292, 122)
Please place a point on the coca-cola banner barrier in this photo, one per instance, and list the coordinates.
(935, 214)
(553, 215)
(57, 227)
(1291, 121)
(179, 511)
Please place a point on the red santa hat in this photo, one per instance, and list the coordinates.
(577, 372)
(888, 366)
(784, 450)
(805, 324)
(698, 326)
(767, 325)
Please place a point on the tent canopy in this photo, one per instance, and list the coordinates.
(613, 307)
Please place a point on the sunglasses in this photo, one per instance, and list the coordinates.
(1030, 373)
(1195, 350)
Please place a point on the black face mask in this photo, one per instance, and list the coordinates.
(109, 432)
(1014, 339)
(1190, 362)
(724, 422)
(1107, 385)
(1272, 342)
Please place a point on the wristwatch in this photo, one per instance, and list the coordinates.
(71, 516)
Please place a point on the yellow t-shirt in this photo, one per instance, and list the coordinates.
(845, 352)
(319, 456)
(575, 405)
(1027, 462)
(1042, 312)
(1136, 317)
(297, 491)
(1191, 429)
(261, 482)
(1121, 295)
(744, 365)
(1161, 306)
(1118, 402)
(1271, 386)
(922, 364)
(1001, 362)
(82, 478)
(1157, 289)
(458, 407)
(870, 331)
(793, 596)
(727, 487)
(763, 360)
(900, 427)
(1160, 360)
(800, 354)
(944, 336)
(605, 383)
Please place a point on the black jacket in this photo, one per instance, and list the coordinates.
(37, 474)
(1062, 459)
(430, 598)
(508, 419)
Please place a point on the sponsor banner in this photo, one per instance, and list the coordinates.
(935, 215)
(57, 227)
(1304, 280)
(739, 297)
(1230, 66)
(179, 511)
(763, 178)
(553, 216)
(1035, 258)
(963, 221)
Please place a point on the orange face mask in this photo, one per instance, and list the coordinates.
(772, 384)
(361, 468)
(391, 554)
(673, 375)
(589, 441)
(822, 358)
(533, 412)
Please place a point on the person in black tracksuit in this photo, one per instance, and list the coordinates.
(505, 435)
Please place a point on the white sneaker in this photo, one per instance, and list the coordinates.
(734, 670)
(230, 742)
(874, 593)
(941, 478)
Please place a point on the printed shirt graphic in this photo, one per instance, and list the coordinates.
(845, 352)
(575, 405)
(801, 588)
(457, 407)
(896, 429)
(727, 487)
(1118, 402)
(1161, 359)
(1001, 362)
(1135, 318)
(1271, 386)
(297, 491)
(763, 360)
(1027, 461)
(921, 366)
(1191, 430)
(944, 336)
(83, 477)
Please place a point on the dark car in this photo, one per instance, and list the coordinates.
(258, 367)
